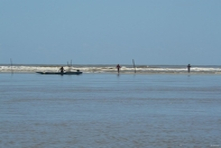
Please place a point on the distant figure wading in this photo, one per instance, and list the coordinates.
(62, 69)
(188, 67)
(118, 68)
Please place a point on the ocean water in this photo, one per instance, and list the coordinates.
(110, 110)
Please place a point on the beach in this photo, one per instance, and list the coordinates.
(110, 110)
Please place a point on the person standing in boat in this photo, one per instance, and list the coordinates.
(62, 69)
(118, 68)
(188, 68)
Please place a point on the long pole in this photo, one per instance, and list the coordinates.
(11, 65)
(134, 65)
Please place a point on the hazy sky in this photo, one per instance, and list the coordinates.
(110, 31)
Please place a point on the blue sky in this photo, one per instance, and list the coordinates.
(110, 31)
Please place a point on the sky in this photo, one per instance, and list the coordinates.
(152, 32)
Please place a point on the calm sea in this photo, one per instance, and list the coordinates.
(110, 110)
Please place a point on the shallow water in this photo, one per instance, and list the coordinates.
(108, 110)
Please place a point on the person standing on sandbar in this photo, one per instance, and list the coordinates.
(62, 70)
(188, 67)
(118, 68)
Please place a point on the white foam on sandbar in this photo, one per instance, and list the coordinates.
(112, 69)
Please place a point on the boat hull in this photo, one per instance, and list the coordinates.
(59, 73)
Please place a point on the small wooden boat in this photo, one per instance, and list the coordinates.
(60, 73)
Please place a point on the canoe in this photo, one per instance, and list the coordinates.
(59, 73)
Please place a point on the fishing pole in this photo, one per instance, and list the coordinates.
(134, 65)
(11, 65)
